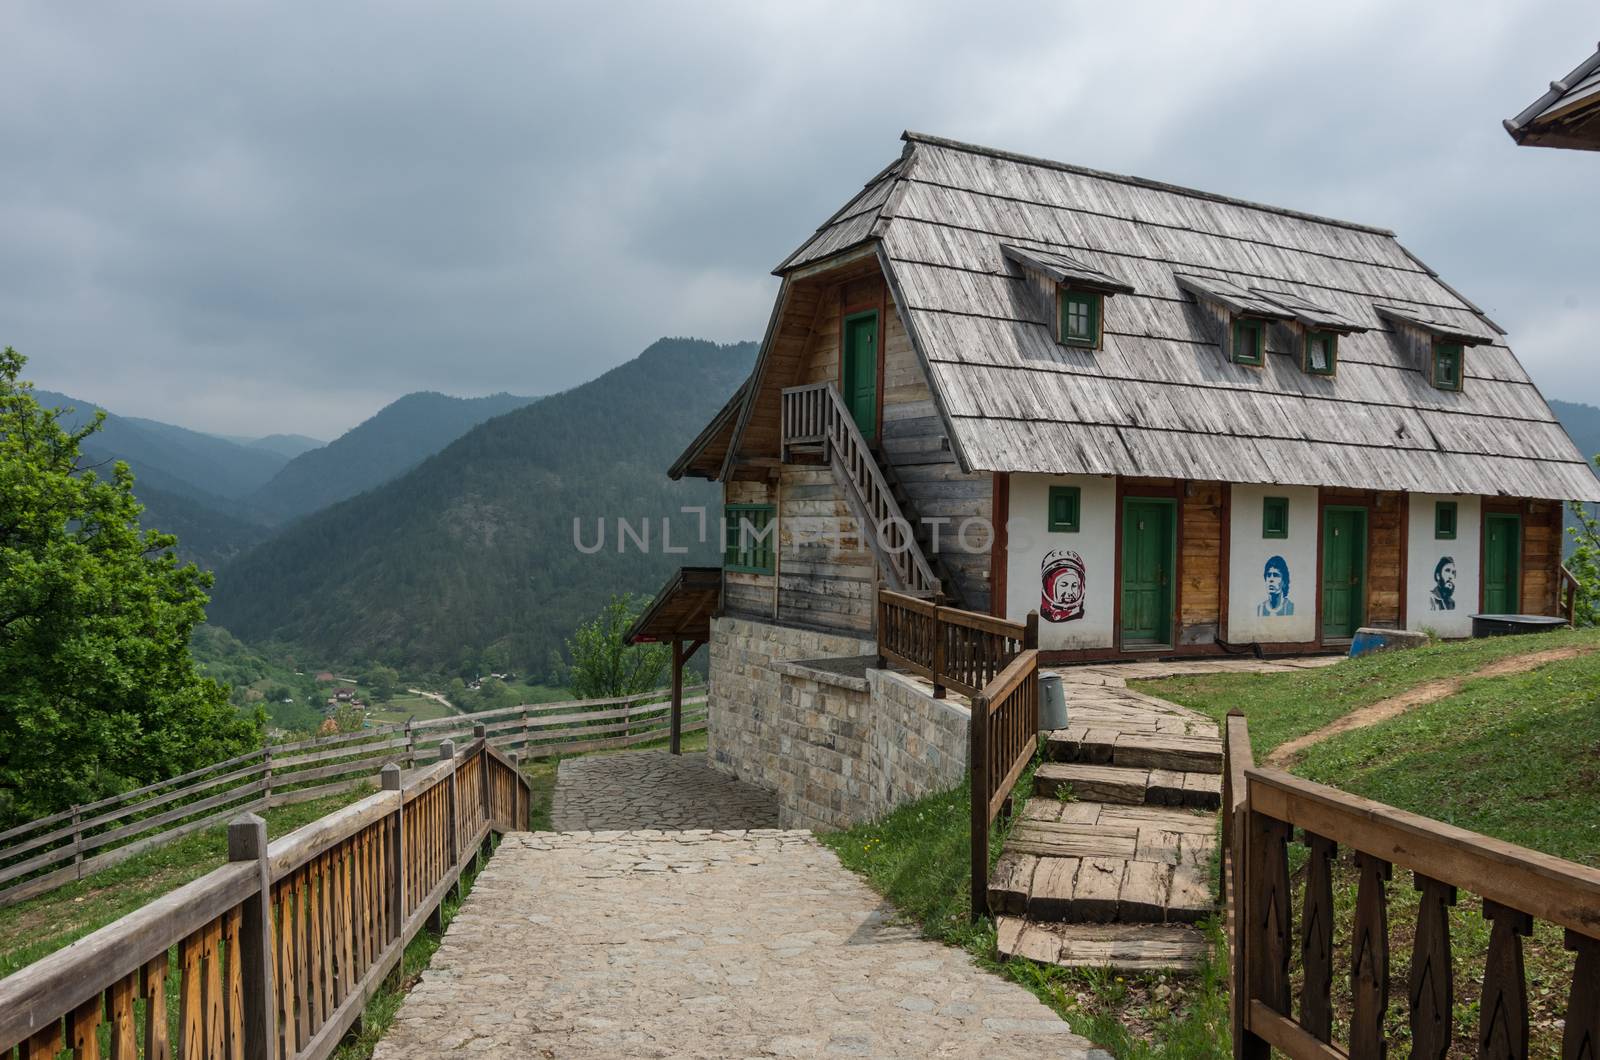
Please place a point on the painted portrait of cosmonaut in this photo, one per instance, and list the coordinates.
(1063, 586)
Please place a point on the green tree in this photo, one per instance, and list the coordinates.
(98, 690)
(381, 682)
(603, 665)
(1584, 563)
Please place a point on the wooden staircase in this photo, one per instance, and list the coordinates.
(1109, 864)
(816, 424)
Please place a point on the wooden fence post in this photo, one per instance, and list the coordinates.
(447, 752)
(247, 841)
(978, 748)
(266, 779)
(397, 862)
(1030, 631)
(482, 733)
(519, 820)
(938, 655)
(675, 743)
(77, 842)
(411, 746)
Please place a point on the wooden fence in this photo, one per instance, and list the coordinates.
(1567, 596)
(952, 648)
(1265, 807)
(1001, 741)
(276, 953)
(44, 854)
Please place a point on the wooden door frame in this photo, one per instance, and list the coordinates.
(1169, 494)
(1500, 510)
(1363, 503)
(999, 543)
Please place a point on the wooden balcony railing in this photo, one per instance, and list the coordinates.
(276, 953)
(1568, 596)
(1517, 885)
(952, 648)
(816, 415)
(1002, 741)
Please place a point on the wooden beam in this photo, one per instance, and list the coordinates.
(678, 657)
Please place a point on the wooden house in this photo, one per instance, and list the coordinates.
(1167, 420)
(1568, 115)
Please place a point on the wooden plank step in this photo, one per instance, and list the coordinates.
(1135, 750)
(1120, 947)
(1089, 783)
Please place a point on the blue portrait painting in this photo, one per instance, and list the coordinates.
(1277, 603)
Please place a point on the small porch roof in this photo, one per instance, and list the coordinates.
(682, 610)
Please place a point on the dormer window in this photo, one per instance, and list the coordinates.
(1079, 318)
(1447, 365)
(1322, 352)
(1249, 340)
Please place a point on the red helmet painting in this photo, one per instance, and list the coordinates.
(1063, 586)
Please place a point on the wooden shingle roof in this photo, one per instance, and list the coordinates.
(1159, 399)
(1568, 115)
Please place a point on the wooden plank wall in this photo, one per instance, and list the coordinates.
(1541, 556)
(915, 447)
(819, 584)
(1386, 568)
(1200, 562)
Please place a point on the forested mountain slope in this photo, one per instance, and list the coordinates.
(473, 549)
(398, 438)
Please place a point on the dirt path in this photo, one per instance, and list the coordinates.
(1286, 754)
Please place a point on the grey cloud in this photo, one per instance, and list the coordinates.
(275, 216)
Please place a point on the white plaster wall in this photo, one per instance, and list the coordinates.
(1248, 553)
(1423, 554)
(1028, 541)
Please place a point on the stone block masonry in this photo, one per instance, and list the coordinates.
(838, 744)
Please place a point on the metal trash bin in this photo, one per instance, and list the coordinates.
(1052, 702)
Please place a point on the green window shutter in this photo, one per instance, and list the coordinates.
(1444, 520)
(1248, 340)
(1064, 509)
(749, 541)
(1080, 318)
(1447, 365)
(1275, 517)
(1322, 352)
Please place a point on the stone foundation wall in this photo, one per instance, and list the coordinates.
(837, 748)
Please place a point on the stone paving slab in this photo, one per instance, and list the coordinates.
(655, 789)
(702, 944)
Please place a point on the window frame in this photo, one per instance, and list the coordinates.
(1258, 355)
(1333, 352)
(1095, 301)
(1440, 531)
(1268, 506)
(1072, 496)
(735, 557)
(1442, 347)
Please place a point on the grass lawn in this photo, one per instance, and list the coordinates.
(406, 706)
(917, 857)
(1282, 706)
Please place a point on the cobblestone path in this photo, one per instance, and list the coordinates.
(702, 944)
(655, 789)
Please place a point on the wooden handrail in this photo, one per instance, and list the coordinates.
(963, 650)
(1003, 736)
(1568, 596)
(330, 906)
(1517, 886)
(816, 414)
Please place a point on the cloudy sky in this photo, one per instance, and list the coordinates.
(259, 217)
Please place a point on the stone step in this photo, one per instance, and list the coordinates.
(1130, 787)
(1135, 750)
(1120, 947)
(1161, 878)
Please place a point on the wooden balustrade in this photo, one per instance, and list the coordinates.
(952, 648)
(46, 853)
(1003, 737)
(816, 415)
(276, 953)
(1567, 595)
(1517, 886)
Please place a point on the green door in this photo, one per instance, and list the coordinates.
(861, 371)
(1502, 551)
(1147, 571)
(1344, 571)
